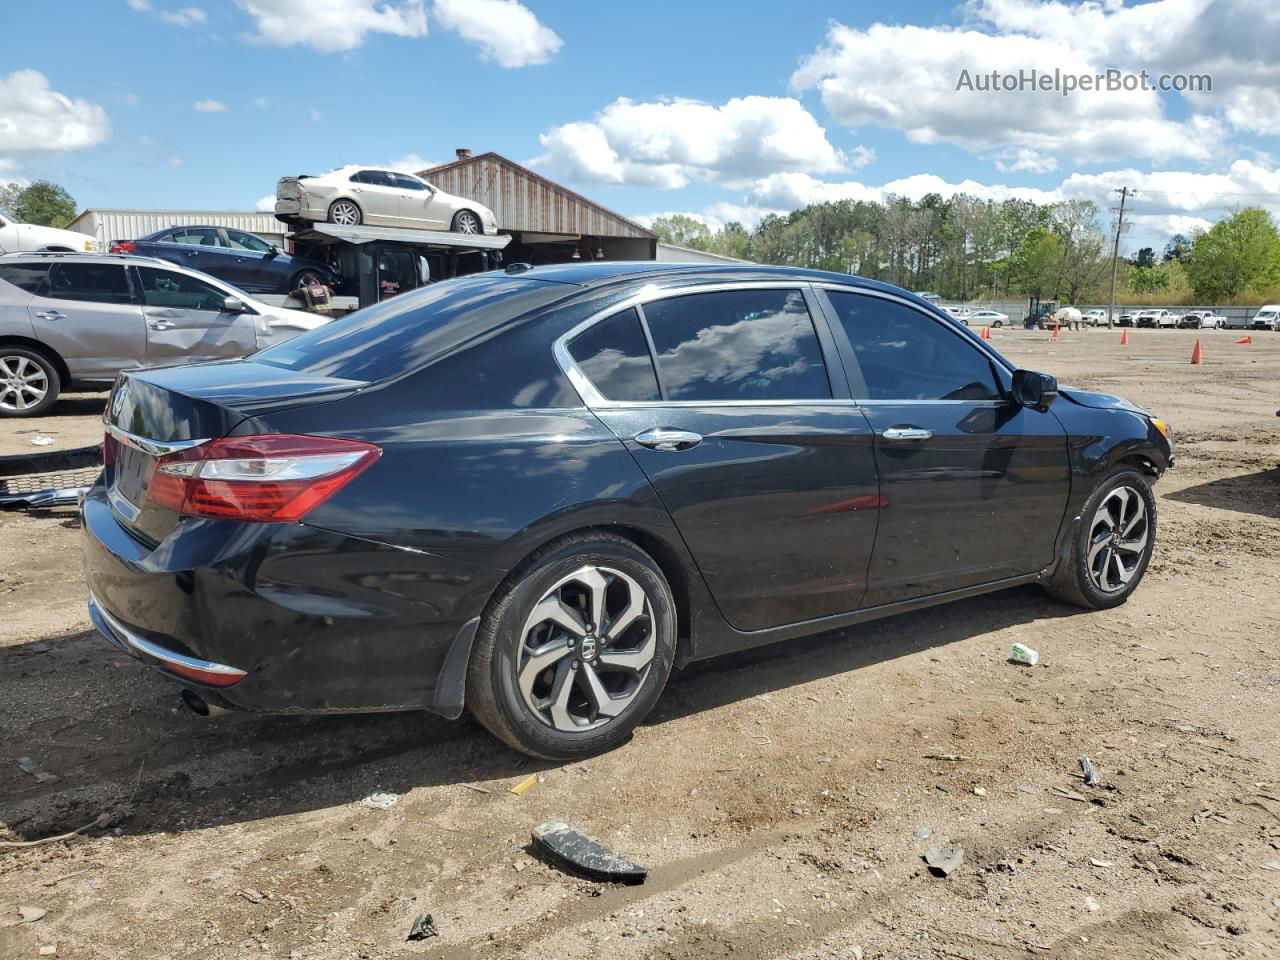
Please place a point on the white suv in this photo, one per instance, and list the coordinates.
(1268, 318)
(18, 237)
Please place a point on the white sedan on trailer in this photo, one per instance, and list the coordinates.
(353, 195)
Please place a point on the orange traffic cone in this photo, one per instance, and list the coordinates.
(986, 333)
(1195, 354)
(1246, 340)
(1124, 339)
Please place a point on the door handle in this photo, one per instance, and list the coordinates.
(906, 433)
(161, 325)
(192, 253)
(51, 315)
(668, 440)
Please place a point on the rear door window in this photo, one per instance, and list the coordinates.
(614, 355)
(904, 354)
(24, 276)
(737, 345)
(202, 237)
(92, 282)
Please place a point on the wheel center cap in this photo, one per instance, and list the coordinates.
(588, 648)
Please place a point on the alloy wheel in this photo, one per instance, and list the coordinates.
(23, 383)
(585, 649)
(1118, 538)
(466, 222)
(346, 213)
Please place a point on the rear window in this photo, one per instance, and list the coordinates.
(399, 335)
(24, 276)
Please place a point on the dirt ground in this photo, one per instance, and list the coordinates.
(779, 798)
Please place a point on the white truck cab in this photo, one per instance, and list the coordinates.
(18, 237)
(1267, 318)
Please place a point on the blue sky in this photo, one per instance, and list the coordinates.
(723, 110)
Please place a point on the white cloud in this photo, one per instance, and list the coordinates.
(35, 118)
(266, 204)
(1024, 160)
(316, 115)
(906, 77)
(175, 161)
(262, 102)
(506, 31)
(669, 143)
(1167, 224)
(789, 191)
(184, 16)
(410, 163)
(330, 26)
(210, 106)
(142, 6)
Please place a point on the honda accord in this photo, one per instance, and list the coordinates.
(533, 493)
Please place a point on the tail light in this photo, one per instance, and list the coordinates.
(123, 246)
(278, 478)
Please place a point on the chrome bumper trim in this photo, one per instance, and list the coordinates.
(121, 634)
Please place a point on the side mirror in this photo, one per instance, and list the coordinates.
(233, 305)
(1034, 389)
(274, 251)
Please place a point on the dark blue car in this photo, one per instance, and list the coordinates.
(235, 256)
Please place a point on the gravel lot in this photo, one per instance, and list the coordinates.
(776, 797)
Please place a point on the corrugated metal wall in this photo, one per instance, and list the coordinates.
(108, 225)
(523, 201)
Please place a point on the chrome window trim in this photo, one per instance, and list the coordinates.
(153, 650)
(156, 448)
(649, 293)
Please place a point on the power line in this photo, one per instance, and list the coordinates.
(1115, 254)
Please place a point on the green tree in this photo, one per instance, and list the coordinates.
(43, 203)
(1178, 248)
(9, 196)
(1148, 279)
(1238, 253)
(683, 231)
(1146, 258)
(1035, 266)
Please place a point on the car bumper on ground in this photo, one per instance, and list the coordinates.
(280, 618)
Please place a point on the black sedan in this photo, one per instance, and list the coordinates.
(534, 492)
(239, 258)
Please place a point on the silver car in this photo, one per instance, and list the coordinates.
(353, 195)
(72, 320)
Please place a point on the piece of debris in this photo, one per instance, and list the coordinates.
(1006, 866)
(979, 791)
(949, 757)
(520, 865)
(524, 785)
(1070, 795)
(42, 440)
(48, 950)
(1090, 773)
(253, 896)
(380, 801)
(43, 776)
(923, 833)
(1091, 905)
(38, 648)
(423, 928)
(30, 914)
(476, 788)
(943, 861)
(1271, 865)
(1094, 862)
(1052, 811)
(102, 821)
(1021, 653)
(567, 846)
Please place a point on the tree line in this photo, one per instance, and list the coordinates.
(43, 203)
(968, 249)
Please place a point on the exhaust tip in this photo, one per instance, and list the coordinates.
(199, 706)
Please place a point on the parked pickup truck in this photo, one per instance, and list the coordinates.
(1157, 318)
(18, 237)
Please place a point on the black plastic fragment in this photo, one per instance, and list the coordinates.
(423, 928)
(566, 846)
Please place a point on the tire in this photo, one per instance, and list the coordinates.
(552, 714)
(306, 277)
(1123, 497)
(346, 212)
(29, 382)
(464, 221)
(997, 324)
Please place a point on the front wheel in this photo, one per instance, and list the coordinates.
(575, 649)
(1113, 545)
(997, 324)
(464, 221)
(29, 382)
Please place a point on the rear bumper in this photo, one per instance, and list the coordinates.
(319, 622)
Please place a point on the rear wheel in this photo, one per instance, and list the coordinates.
(29, 382)
(346, 213)
(997, 324)
(1113, 545)
(575, 649)
(305, 279)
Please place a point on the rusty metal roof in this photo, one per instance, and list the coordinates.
(526, 201)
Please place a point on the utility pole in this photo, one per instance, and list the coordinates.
(1115, 255)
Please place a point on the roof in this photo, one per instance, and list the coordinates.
(674, 253)
(508, 189)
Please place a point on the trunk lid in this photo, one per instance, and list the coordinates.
(154, 413)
